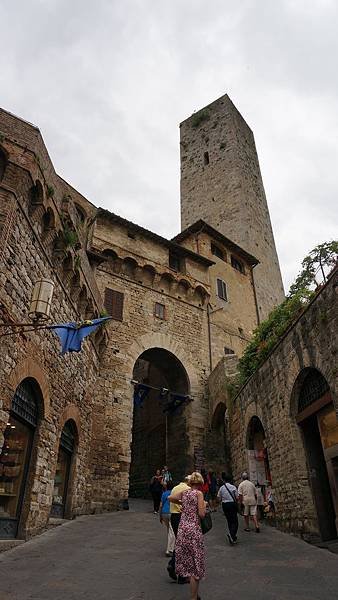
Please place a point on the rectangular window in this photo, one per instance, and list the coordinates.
(176, 263)
(236, 264)
(216, 251)
(159, 310)
(113, 302)
(222, 290)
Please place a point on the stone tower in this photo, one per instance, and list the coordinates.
(221, 183)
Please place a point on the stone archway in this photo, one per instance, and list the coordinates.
(258, 459)
(314, 412)
(217, 447)
(158, 438)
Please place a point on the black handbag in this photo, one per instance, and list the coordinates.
(206, 523)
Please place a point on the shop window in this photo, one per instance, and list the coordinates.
(236, 264)
(159, 310)
(113, 302)
(15, 457)
(222, 290)
(176, 262)
(61, 479)
(216, 251)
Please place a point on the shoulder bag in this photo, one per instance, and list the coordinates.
(206, 523)
(234, 499)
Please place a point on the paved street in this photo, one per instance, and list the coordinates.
(121, 556)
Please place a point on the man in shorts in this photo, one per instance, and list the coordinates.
(248, 497)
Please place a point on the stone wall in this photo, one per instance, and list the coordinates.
(65, 383)
(269, 395)
(221, 183)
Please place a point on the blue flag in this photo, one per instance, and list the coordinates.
(176, 401)
(72, 334)
(141, 391)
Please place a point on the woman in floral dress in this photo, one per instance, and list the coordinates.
(189, 548)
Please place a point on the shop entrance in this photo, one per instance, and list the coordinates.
(63, 470)
(259, 468)
(15, 456)
(318, 422)
(158, 438)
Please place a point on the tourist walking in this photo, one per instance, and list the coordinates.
(189, 549)
(248, 497)
(175, 516)
(212, 482)
(166, 475)
(228, 495)
(156, 490)
(165, 517)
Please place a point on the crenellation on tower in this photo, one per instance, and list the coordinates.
(221, 183)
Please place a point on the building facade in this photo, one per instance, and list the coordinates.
(283, 424)
(221, 183)
(71, 440)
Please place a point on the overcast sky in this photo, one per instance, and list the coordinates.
(108, 81)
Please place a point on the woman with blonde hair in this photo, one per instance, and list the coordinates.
(189, 549)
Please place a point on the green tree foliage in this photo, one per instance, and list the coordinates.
(315, 266)
(314, 271)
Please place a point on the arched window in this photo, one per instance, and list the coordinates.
(237, 264)
(63, 469)
(216, 251)
(15, 455)
(314, 387)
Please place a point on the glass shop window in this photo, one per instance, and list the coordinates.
(14, 460)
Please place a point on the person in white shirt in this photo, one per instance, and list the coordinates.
(228, 495)
(248, 497)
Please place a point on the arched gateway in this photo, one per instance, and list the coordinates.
(158, 437)
(317, 419)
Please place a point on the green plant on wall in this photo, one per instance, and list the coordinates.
(70, 237)
(315, 267)
(199, 117)
(50, 191)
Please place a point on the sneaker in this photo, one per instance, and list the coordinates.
(231, 541)
(257, 530)
(246, 529)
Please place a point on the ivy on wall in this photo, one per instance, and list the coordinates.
(315, 268)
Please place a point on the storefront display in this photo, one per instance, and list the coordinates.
(15, 459)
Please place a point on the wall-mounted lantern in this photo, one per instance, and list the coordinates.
(39, 310)
(41, 300)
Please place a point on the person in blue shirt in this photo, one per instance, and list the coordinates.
(165, 517)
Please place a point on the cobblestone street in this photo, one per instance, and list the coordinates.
(121, 556)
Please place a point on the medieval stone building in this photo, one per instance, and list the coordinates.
(73, 440)
(283, 424)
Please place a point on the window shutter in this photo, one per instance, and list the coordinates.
(222, 289)
(113, 302)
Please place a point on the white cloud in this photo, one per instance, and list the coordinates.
(108, 83)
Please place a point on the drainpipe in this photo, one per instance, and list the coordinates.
(209, 335)
(255, 295)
